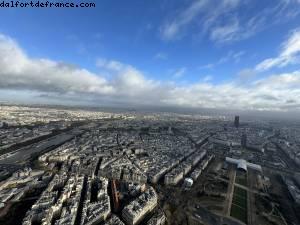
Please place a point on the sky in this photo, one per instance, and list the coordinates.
(217, 54)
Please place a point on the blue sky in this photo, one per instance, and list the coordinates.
(187, 53)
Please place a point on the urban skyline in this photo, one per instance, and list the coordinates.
(239, 55)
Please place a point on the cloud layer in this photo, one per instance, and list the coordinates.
(18, 71)
(128, 85)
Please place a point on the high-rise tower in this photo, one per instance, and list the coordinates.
(236, 121)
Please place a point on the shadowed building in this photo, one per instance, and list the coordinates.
(236, 121)
(244, 140)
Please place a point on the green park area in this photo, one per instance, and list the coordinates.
(239, 205)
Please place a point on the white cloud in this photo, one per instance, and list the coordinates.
(227, 20)
(273, 93)
(20, 71)
(111, 64)
(290, 54)
(130, 86)
(225, 33)
(200, 11)
(172, 29)
(232, 57)
(292, 46)
(127, 80)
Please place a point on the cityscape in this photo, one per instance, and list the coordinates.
(74, 166)
(158, 112)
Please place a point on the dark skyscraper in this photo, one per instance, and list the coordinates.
(236, 121)
(244, 140)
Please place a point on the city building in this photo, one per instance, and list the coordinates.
(244, 140)
(139, 208)
(237, 121)
(243, 164)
